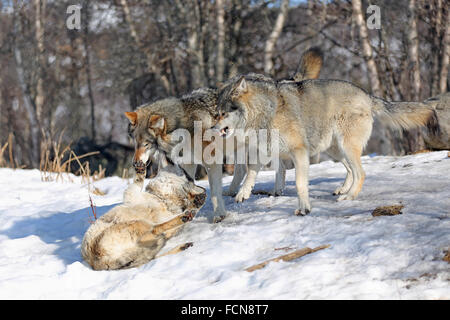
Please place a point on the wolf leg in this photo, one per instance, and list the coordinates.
(301, 162)
(172, 223)
(348, 180)
(215, 184)
(249, 182)
(352, 153)
(238, 176)
(335, 153)
(177, 249)
(280, 179)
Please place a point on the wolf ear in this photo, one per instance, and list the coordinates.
(241, 86)
(157, 123)
(132, 116)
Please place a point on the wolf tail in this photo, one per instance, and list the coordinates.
(405, 115)
(309, 65)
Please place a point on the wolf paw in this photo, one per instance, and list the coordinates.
(218, 219)
(302, 213)
(242, 195)
(186, 245)
(188, 216)
(338, 191)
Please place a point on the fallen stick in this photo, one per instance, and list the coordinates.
(287, 257)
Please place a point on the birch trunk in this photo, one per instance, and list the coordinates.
(443, 78)
(39, 24)
(367, 48)
(413, 51)
(274, 35)
(220, 40)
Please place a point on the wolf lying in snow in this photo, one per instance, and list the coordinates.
(132, 233)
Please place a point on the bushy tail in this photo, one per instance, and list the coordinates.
(404, 115)
(309, 65)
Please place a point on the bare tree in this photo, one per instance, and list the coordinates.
(445, 56)
(413, 50)
(39, 24)
(367, 48)
(28, 100)
(273, 37)
(220, 40)
(87, 65)
(152, 67)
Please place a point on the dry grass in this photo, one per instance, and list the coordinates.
(53, 167)
(7, 159)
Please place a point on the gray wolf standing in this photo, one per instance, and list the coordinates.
(200, 105)
(312, 116)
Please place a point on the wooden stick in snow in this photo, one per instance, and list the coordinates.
(287, 257)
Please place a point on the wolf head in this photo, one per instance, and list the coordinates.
(231, 108)
(150, 136)
(152, 145)
(244, 103)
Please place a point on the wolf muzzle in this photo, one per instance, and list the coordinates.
(140, 166)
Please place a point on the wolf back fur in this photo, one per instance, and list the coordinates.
(313, 116)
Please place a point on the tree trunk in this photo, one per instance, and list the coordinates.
(274, 35)
(39, 24)
(234, 56)
(191, 10)
(445, 56)
(87, 66)
(435, 45)
(220, 40)
(28, 102)
(367, 48)
(134, 34)
(413, 51)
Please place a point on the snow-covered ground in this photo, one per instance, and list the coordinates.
(389, 257)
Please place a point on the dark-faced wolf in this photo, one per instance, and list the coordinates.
(312, 116)
(200, 105)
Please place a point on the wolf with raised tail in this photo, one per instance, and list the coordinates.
(312, 116)
(200, 105)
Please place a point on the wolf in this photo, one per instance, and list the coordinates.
(200, 105)
(312, 116)
(134, 232)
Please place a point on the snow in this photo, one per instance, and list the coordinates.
(389, 257)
